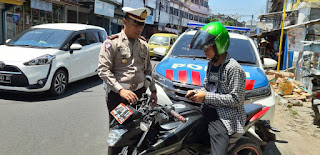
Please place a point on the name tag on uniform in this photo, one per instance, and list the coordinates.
(121, 113)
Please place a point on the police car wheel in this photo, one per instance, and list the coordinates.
(59, 83)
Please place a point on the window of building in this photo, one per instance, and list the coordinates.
(176, 12)
(202, 2)
(206, 4)
(192, 1)
(171, 10)
(190, 16)
(186, 15)
(196, 18)
(181, 14)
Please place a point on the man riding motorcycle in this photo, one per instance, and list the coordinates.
(224, 87)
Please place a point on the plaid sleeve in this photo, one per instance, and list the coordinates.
(236, 87)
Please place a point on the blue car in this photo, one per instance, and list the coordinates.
(184, 69)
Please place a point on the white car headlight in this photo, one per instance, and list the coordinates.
(42, 60)
(165, 83)
(115, 135)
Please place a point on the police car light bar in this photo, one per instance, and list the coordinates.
(227, 27)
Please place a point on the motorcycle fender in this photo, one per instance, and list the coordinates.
(316, 102)
(252, 131)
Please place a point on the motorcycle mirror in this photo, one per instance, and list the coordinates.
(144, 126)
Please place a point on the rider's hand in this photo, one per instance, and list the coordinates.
(154, 99)
(190, 93)
(130, 96)
(198, 96)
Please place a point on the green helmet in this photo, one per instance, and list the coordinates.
(213, 33)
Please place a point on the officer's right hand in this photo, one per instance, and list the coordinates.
(130, 96)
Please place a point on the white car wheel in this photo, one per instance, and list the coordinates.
(59, 83)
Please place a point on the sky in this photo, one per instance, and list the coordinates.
(243, 8)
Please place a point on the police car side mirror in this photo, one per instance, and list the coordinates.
(160, 51)
(75, 46)
(269, 63)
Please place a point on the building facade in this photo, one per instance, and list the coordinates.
(166, 15)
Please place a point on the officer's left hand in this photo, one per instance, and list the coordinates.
(154, 99)
(198, 97)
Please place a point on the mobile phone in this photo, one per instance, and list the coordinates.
(191, 94)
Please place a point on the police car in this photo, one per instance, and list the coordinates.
(184, 69)
(49, 56)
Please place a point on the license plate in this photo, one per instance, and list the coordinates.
(121, 113)
(4, 78)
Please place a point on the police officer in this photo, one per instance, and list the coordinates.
(124, 61)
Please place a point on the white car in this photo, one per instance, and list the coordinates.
(49, 56)
(184, 69)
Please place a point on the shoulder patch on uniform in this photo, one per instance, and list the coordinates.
(106, 46)
(113, 36)
(143, 38)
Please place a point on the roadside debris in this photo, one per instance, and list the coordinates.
(294, 93)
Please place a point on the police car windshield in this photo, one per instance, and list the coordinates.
(239, 49)
(48, 38)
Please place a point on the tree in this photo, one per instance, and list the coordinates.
(209, 20)
(228, 23)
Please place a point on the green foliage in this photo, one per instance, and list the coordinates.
(209, 20)
(228, 23)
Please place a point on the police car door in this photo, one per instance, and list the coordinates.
(78, 58)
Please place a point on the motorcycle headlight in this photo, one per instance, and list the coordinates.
(163, 82)
(115, 135)
(42, 60)
(258, 92)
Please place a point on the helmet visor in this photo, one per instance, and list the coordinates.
(201, 40)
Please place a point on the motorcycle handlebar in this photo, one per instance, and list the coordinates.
(176, 114)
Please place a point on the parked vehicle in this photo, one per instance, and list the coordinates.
(49, 56)
(164, 40)
(181, 129)
(316, 95)
(184, 69)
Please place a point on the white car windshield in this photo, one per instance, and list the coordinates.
(239, 49)
(48, 38)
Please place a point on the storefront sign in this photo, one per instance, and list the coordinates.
(13, 17)
(116, 1)
(41, 5)
(295, 36)
(151, 3)
(133, 4)
(103, 8)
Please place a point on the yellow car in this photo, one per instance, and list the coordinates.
(161, 40)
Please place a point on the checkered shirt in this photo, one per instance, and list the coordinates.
(230, 95)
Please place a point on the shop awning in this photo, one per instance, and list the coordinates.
(14, 2)
(273, 15)
(311, 22)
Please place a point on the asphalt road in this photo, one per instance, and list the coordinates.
(75, 123)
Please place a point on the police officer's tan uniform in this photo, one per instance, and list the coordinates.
(124, 64)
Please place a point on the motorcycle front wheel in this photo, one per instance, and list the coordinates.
(245, 146)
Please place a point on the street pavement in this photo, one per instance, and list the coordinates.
(74, 123)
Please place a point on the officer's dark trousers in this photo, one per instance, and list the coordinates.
(219, 138)
(113, 100)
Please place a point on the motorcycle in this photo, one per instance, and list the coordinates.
(180, 129)
(316, 96)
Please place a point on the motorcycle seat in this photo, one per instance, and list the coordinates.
(251, 109)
